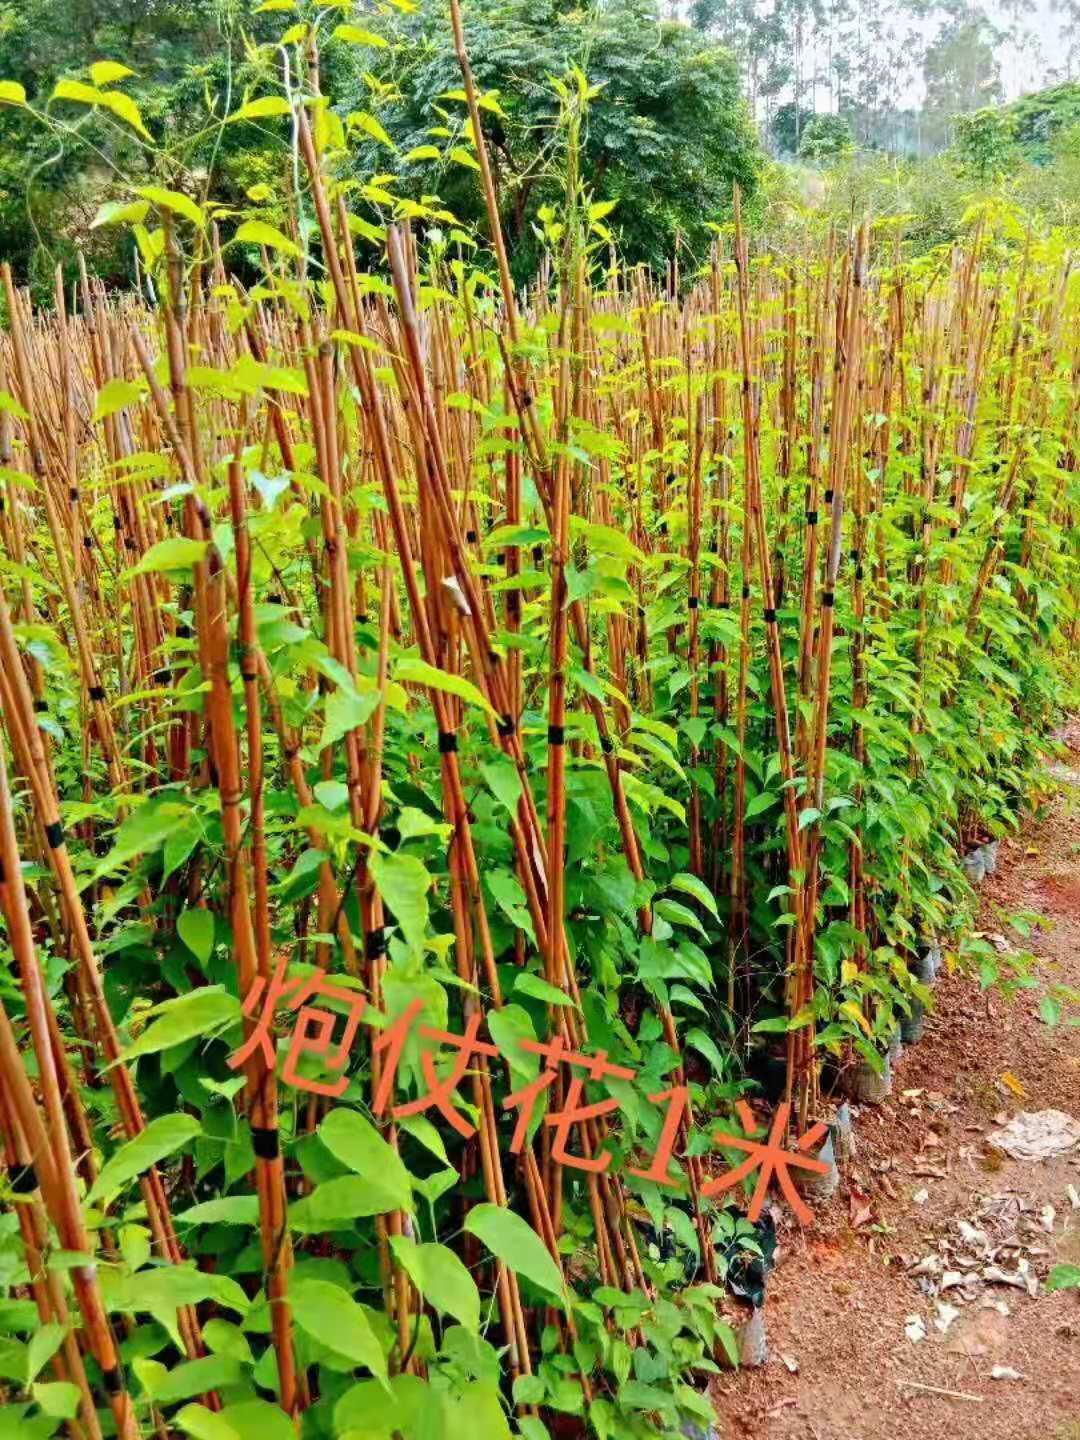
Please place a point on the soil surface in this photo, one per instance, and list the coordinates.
(926, 1192)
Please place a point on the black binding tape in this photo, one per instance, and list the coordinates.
(693, 602)
(23, 1183)
(183, 632)
(811, 517)
(556, 734)
(88, 542)
(506, 726)
(73, 495)
(113, 1380)
(265, 1143)
(162, 676)
(470, 536)
(40, 707)
(829, 598)
(375, 943)
(447, 742)
(746, 592)
(97, 692)
(828, 497)
(273, 599)
(538, 554)
(129, 542)
(953, 532)
(54, 834)
(249, 676)
(606, 744)
(500, 559)
(117, 523)
(858, 572)
(363, 618)
(770, 617)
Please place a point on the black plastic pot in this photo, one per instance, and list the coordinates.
(867, 1086)
(815, 1186)
(913, 1025)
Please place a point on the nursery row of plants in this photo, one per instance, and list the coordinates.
(614, 674)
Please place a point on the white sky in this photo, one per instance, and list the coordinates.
(1028, 68)
(1036, 61)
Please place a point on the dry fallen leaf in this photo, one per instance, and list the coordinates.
(1010, 1081)
(860, 1209)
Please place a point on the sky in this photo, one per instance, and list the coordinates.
(1029, 67)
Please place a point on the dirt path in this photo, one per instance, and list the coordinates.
(843, 1294)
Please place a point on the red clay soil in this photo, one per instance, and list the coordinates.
(842, 1294)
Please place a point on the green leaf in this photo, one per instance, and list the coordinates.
(108, 72)
(258, 1420)
(332, 1317)
(162, 1137)
(76, 90)
(124, 108)
(203, 1424)
(1050, 1010)
(759, 803)
(1064, 1277)
(413, 671)
(226, 1210)
(353, 35)
(441, 1278)
(12, 93)
(513, 1241)
(44, 1343)
(473, 1412)
(425, 1133)
(335, 1202)
(116, 395)
(346, 710)
(10, 406)
(174, 201)
(503, 781)
(58, 1399)
(381, 1410)
(197, 1377)
(114, 212)
(526, 983)
(356, 1143)
(403, 882)
(196, 930)
(257, 232)
(370, 126)
(509, 1026)
(463, 157)
(691, 885)
(178, 553)
(201, 1012)
(677, 914)
(263, 108)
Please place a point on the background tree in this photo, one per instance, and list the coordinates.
(984, 142)
(826, 139)
(667, 135)
(960, 70)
